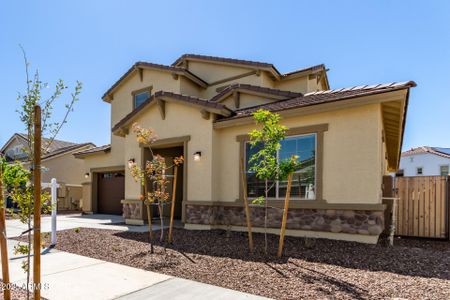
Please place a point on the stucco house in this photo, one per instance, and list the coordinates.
(57, 162)
(425, 161)
(201, 107)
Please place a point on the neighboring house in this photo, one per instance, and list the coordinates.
(201, 107)
(425, 161)
(57, 161)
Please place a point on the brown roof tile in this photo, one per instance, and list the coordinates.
(426, 149)
(188, 99)
(319, 97)
(254, 88)
(224, 59)
(155, 66)
(104, 148)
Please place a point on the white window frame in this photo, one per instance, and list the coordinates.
(277, 197)
(440, 169)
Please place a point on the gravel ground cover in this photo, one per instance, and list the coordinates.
(17, 293)
(311, 268)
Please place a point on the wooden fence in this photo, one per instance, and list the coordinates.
(423, 206)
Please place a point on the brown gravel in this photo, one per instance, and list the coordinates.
(17, 293)
(311, 269)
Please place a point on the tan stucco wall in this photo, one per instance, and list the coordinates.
(187, 87)
(294, 85)
(123, 99)
(352, 155)
(180, 120)
(65, 168)
(246, 100)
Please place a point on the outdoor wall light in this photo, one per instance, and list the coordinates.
(86, 175)
(197, 156)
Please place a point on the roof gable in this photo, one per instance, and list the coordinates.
(439, 151)
(138, 68)
(159, 99)
(254, 90)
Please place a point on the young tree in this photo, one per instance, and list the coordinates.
(264, 162)
(21, 188)
(155, 172)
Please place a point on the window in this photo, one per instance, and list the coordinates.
(419, 171)
(304, 180)
(444, 170)
(140, 98)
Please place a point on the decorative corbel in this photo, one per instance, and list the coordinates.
(175, 76)
(237, 99)
(205, 114)
(162, 108)
(141, 74)
(258, 72)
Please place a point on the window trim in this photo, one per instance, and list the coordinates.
(319, 130)
(417, 171)
(440, 169)
(139, 91)
(277, 183)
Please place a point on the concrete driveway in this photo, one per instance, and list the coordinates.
(113, 222)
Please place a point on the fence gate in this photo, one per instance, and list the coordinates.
(423, 206)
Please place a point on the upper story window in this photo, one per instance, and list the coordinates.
(140, 96)
(304, 180)
(444, 170)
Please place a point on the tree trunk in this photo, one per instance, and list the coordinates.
(246, 207)
(172, 207)
(37, 204)
(265, 216)
(149, 216)
(4, 244)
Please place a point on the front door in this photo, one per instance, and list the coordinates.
(169, 154)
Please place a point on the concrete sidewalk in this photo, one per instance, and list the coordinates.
(70, 276)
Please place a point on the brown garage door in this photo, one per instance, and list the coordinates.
(111, 189)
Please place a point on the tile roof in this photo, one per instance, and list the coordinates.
(320, 97)
(66, 149)
(254, 88)
(443, 152)
(308, 69)
(184, 98)
(56, 147)
(250, 63)
(224, 59)
(55, 144)
(177, 70)
(104, 148)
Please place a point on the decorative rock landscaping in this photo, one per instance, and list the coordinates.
(329, 220)
(310, 268)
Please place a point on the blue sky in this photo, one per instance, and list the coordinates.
(361, 42)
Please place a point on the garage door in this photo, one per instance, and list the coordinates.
(110, 191)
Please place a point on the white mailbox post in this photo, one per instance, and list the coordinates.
(53, 185)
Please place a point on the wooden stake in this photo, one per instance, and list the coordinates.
(285, 214)
(4, 244)
(172, 208)
(247, 209)
(37, 204)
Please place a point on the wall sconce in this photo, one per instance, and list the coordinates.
(197, 156)
(130, 162)
(86, 175)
